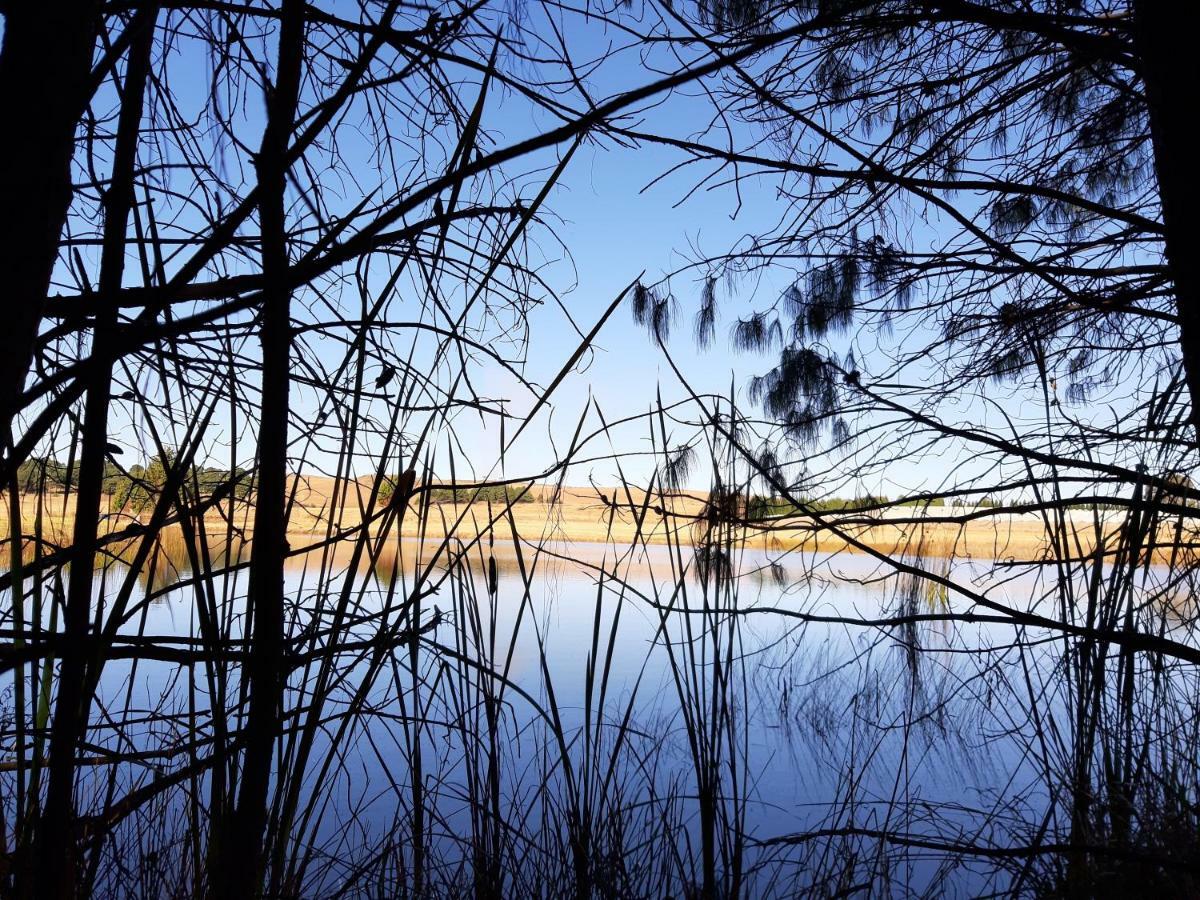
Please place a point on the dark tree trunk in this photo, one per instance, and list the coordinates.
(44, 75)
(57, 869)
(240, 872)
(1166, 35)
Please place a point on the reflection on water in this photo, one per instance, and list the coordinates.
(624, 700)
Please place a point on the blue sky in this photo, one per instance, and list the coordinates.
(616, 221)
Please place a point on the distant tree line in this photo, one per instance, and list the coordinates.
(760, 508)
(465, 493)
(470, 493)
(133, 489)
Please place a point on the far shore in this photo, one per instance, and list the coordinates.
(620, 517)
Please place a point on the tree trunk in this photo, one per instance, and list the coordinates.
(240, 874)
(1165, 36)
(56, 848)
(45, 66)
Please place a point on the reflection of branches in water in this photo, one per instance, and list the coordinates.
(914, 324)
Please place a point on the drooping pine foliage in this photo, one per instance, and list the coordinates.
(977, 177)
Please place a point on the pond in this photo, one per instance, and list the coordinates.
(631, 719)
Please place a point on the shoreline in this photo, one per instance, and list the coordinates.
(581, 516)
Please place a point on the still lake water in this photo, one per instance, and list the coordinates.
(827, 724)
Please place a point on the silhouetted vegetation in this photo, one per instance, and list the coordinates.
(285, 249)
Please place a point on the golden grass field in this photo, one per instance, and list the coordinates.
(320, 509)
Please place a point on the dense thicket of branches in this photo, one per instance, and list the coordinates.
(983, 292)
(252, 240)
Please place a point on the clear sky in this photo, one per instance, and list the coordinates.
(618, 220)
(614, 220)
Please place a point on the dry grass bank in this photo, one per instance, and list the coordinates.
(322, 507)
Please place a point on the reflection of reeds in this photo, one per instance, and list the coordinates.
(428, 690)
(934, 555)
(394, 557)
(171, 557)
